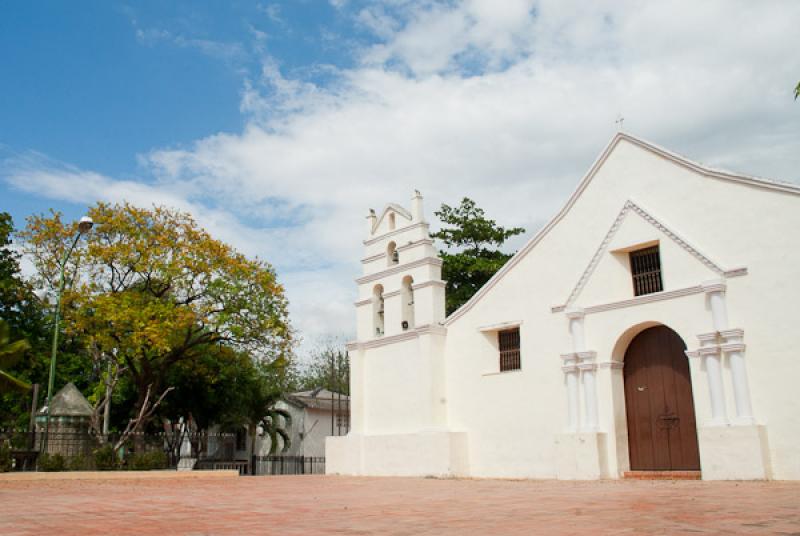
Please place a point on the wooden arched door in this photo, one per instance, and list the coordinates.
(662, 431)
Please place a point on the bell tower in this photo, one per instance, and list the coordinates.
(401, 288)
(398, 384)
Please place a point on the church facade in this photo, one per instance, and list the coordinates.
(651, 325)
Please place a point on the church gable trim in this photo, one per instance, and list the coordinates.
(391, 207)
(630, 206)
(598, 163)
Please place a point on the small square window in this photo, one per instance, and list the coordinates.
(508, 342)
(646, 271)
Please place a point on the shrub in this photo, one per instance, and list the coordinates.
(52, 462)
(78, 463)
(148, 461)
(105, 459)
(5, 457)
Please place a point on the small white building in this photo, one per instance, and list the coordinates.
(316, 414)
(652, 325)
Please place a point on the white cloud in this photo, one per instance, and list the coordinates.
(273, 13)
(507, 103)
(226, 51)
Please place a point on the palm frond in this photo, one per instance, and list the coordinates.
(9, 383)
(11, 353)
(287, 417)
(287, 441)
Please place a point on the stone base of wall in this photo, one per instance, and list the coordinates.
(434, 453)
(738, 452)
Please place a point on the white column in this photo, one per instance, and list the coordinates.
(715, 290)
(570, 369)
(576, 330)
(586, 365)
(709, 351)
(588, 369)
(733, 347)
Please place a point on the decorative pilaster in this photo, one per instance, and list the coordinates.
(715, 290)
(733, 346)
(570, 368)
(583, 361)
(710, 353)
(709, 349)
(576, 330)
(588, 369)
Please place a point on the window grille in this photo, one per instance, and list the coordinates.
(646, 271)
(509, 349)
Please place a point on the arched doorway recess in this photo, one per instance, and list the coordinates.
(662, 429)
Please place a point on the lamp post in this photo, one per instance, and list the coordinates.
(84, 226)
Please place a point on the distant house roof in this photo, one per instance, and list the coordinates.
(69, 402)
(319, 399)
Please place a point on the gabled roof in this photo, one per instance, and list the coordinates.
(391, 207)
(598, 163)
(684, 244)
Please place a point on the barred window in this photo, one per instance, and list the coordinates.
(646, 271)
(508, 341)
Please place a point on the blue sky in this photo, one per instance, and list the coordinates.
(130, 77)
(278, 124)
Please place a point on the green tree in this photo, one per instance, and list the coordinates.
(261, 388)
(797, 91)
(19, 305)
(26, 319)
(158, 290)
(473, 255)
(211, 388)
(10, 354)
(328, 367)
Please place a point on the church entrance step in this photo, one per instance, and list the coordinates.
(661, 475)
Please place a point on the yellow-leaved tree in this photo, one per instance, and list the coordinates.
(152, 288)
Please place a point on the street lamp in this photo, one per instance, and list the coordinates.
(84, 226)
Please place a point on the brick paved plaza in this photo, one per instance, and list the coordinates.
(343, 505)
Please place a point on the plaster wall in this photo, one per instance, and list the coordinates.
(514, 422)
(397, 389)
(733, 224)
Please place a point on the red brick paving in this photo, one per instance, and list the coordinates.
(342, 505)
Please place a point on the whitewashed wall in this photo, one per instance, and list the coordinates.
(511, 420)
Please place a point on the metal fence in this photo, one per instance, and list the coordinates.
(289, 465)
(79, 450)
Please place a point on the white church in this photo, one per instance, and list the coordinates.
(651, 328)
